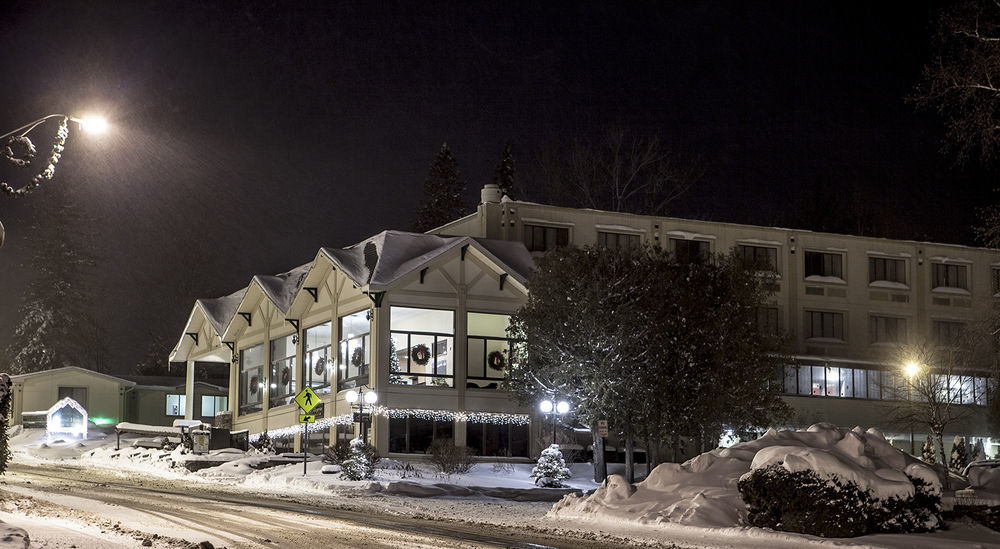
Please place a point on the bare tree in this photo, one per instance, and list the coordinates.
(623, 172)
(935, 388)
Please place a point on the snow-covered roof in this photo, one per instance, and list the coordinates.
(220, 310)
(62, 371)
(282, 288)
(383, 259)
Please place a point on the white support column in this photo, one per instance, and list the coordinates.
(189, 391)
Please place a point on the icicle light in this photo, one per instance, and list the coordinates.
(398, 413)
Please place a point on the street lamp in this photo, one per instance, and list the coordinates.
(911, 369)
(20, 151)
(549, 407)
(362, 398)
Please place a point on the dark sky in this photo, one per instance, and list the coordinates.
(246, 135)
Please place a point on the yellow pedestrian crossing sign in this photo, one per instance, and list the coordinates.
(307, 399)
(307, 418)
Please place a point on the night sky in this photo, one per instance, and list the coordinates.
(246, 135)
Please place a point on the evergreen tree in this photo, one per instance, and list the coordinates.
(361, 463)
(927, 451)
(959, 454)
(394, 376)
(978, 451)
(504, 174)
(5, 402)
(551, 470)
(443, 193)
(55, 328)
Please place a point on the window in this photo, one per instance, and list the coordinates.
(824, 264)
(538, 238)
(489, 439)
(176, 404)
(881, 269)
(947, 333)
(355, 350)
(949, 276)
(886, 329)
(212, 405)
(79, 394)
(283, 370)
(759, 258)
(251, 379)
(317, 354)
(767, 320)
(411, 435)
(824, 325)
(422, 343)
(617, 240)
(690, 251)
(489, 350)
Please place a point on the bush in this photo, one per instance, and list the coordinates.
(451, 459)
(263, 443)
(804, 502)
(338, 452)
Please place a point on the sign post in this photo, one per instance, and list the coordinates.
(307, 399)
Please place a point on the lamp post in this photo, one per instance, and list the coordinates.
(361, 398)
(550, 407)
(25, 151)
(911, 369)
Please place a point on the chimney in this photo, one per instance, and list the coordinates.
(490, 194)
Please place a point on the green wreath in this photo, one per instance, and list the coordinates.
(320, 366)
(496, 361)
(358, 357)
(285, 374)
(254, 385)
(420, 354)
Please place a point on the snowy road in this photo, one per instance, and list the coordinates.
(126, 511)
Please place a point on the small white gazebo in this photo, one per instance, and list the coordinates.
(67, 417)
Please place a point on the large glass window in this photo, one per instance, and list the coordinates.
(317, 356)
(617, 240)
(886, 329)
(489, 350)
(690, 251)
(760, 258)
(251, 379)
(411, 435)
(212, 405)
(176, 405)
(424, 343)
(949, 276)
(825, 325)
(538, 238)
(882, 269)
(282, 373)
(355, 350)
(490, 439)
(824, 264)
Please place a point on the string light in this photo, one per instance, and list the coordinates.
(495, 418)
(58, 145)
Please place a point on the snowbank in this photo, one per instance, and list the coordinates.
(703, 490)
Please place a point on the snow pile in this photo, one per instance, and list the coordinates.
(703, 490)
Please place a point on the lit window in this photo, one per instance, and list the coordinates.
(175, 405)
(318, 357)
(251, 391)
(423, 342)
(355, 350)
(212, 405)
(282, 375)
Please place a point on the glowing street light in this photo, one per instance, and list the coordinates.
(362, 398)
(911, 369)
(20, 151)
(550, 407)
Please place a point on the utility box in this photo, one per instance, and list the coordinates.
(200, 440)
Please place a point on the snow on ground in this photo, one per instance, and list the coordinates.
(695, 503)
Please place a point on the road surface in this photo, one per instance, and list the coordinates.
(132, 511)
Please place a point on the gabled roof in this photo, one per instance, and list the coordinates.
(63, 370)
(220, 310)
(383, 259)
(282, 288)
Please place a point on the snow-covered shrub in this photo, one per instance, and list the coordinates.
(263, 444)
(805, 502)
(959, 455)
(551, 470)
(927, 453)
(336, 453)
(361, 464)
(451, 459)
